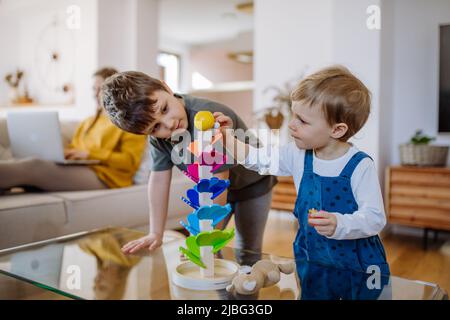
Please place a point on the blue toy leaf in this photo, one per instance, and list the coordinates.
(203, 185)
(192, 195)
(189, 228)
(214, 212)
(217, 187)
(191, 204)
(214, 185)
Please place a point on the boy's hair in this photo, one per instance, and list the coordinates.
(105, 73)
(342, 97)
(126, 99)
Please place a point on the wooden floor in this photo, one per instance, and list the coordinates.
(405, 255)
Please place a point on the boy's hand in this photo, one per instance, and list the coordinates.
(325, 223)
(151, 241)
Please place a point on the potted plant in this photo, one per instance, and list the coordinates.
(419, 152)
(275, 114)
(14, 80)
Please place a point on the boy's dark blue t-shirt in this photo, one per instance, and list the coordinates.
(244, 184)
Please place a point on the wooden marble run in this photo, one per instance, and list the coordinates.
(202, 271)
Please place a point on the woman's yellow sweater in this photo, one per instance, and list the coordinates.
(119, 152)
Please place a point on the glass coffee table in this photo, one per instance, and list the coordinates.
(90, 265)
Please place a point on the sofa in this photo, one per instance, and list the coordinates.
(35, 216)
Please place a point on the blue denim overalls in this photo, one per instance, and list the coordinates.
(332, 194)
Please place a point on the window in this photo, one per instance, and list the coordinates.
(200, 82)
(169, 69)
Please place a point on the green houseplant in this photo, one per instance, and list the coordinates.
(274, 115)
(420, 138)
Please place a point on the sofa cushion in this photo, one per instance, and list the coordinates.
(23, 200)
(28, 218)
(177, 208)
(4, 137)
(87, 210)
(68, 129)
(142, 174)
(125, 207)
(5, 153)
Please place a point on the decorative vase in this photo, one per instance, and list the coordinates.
(274, 121)
(13, 95)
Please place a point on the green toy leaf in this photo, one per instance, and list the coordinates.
(216, 238)
(192, 257)
(191, 243)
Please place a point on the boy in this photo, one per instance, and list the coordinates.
(140, 104)
(339, 205)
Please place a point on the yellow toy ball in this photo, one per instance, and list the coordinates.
(204, 120)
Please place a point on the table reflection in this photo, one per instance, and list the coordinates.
(91, 265)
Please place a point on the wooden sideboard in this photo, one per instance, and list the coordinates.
(418, 197)
(284, 194)
(414, 196)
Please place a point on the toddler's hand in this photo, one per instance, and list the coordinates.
(325, 223)
(151, 241)
(225, 124)
(224, 121)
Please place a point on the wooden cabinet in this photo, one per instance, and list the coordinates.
(414, 196)
(284, 194)
(418, 197)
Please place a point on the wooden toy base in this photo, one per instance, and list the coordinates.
(187, 275)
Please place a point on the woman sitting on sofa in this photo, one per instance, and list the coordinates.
(96, 138)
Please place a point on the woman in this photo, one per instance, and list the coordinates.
(96, 138)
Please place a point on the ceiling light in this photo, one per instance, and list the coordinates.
(242, 56)
(245, 7)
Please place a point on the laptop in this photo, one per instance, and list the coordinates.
(38, 134)
(42, 265)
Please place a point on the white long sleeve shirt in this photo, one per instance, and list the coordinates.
(288, 160)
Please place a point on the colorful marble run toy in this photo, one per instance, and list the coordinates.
(203, 271)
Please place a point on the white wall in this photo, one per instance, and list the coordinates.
(114, 31)
(86, 63)
(416, 55)
(318, 34)
(399, 63)
(128, 35)
(118, 33)
(358, 48)
(23, 23)
(289, 36)
(8, 54)
(386, 87)
(147, 35)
